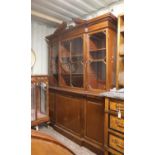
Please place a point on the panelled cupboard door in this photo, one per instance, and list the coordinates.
(68, 112)
(94, 121)
(51, 106)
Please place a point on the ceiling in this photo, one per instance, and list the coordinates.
(54, 12)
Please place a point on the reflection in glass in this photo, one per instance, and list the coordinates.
(77, 74)
(33, 106)
(72, 62)
(97, 75)
(41, 110)
(53, 72)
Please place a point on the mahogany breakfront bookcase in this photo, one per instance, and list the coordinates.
(81, 67)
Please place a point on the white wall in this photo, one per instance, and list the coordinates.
(39, 45)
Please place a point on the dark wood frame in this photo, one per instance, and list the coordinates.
(36, 79)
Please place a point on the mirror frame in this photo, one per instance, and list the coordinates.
(34, 55)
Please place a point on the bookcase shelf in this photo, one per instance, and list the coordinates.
(97, 50)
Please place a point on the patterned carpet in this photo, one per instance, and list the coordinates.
(77, 149)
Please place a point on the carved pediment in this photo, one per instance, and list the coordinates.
(61, 27)
(78, 21)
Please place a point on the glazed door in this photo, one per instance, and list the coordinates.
(53, 65)
(77, 62)
(97, 60)
(65, 73)
(71, 63)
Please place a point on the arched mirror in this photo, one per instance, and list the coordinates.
(33, 58)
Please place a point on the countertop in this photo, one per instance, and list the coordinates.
(113, 93)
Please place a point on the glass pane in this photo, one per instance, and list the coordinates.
(42, 107)
(43, 98)
(97, 61)
(77, 49)
(53, 78)
(65, 52)
(65, 63)
(97, 41)
(33, 106)
(98, 55)
(77, 62)
(65, 74)
(77, 74)
(66, 79)
(97, 75)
